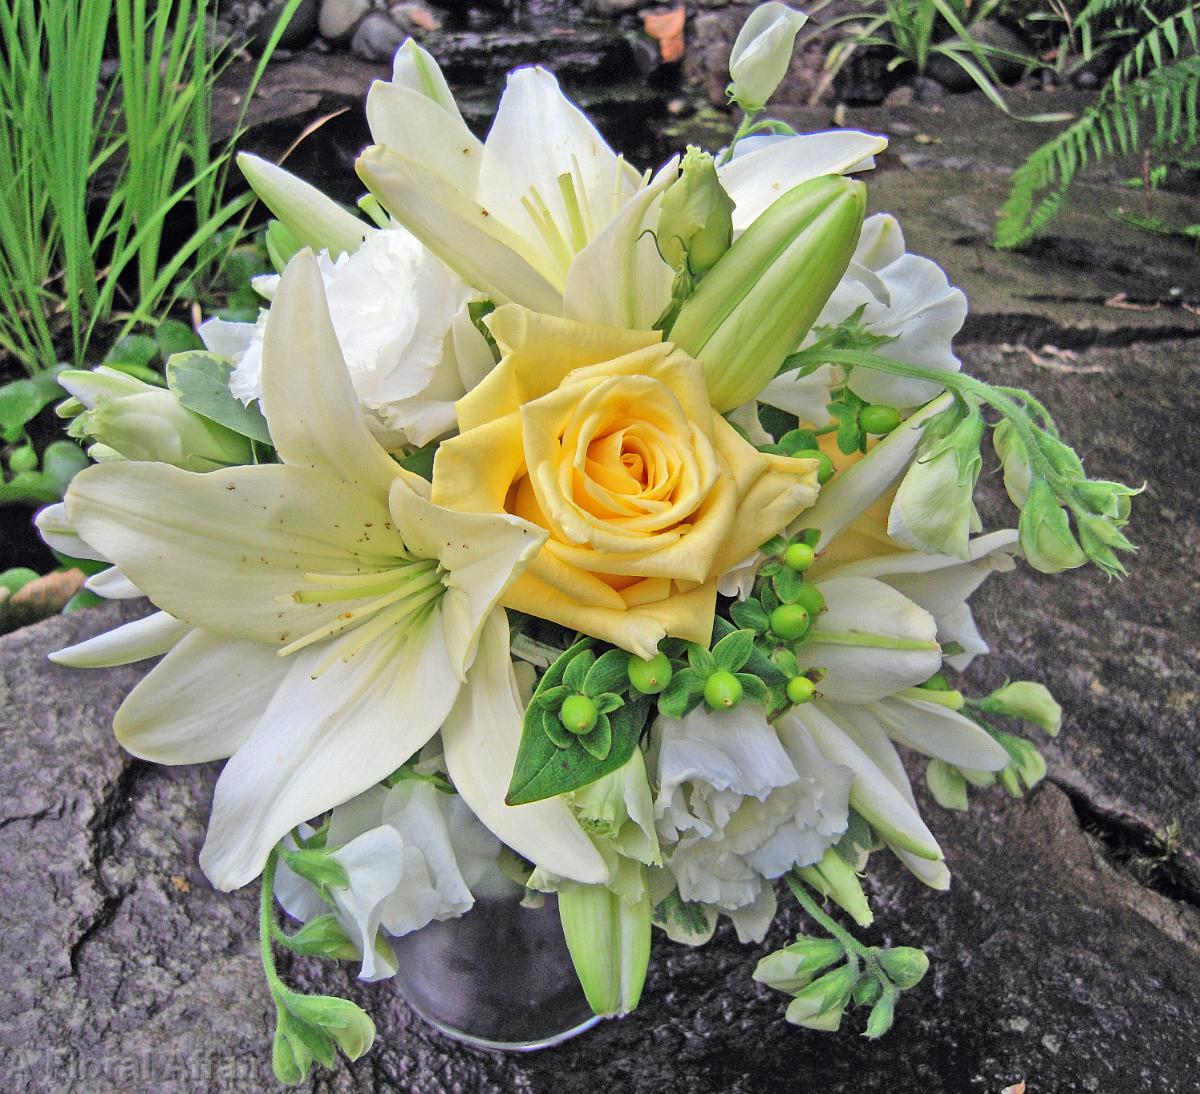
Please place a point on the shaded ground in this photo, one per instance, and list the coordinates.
(1067, 953)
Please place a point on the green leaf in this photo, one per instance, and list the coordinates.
(552, 727)
(787, 583)
(608, 701)
(753, 689)
(61, 462)
(139, 350)
(598, 743)
(420, 461)
(550, 698)
(769, 598)
(734, 650)
(610, 673)
(19, 403)
(750, 615)
(785, 660)
(702, 662)
(543, 770)
(201, 383)
(682, 694)
(759, 664)
(798, 440)
(577, 669)
(175, 337)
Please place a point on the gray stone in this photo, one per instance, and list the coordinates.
(340, 18)
(984, 33)
(377, 37)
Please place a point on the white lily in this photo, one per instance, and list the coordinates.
(544, 213)
(327, 594)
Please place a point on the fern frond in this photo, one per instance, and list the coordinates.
(1168, 39)
(1112, 127)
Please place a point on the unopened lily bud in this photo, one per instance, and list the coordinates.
(1014, 460)
(695, 219)
(793, 967)
(132, 420)
(416, 69)
(906, 965)
(1045, 532)
(934, 508)
(313, 219)
(820, 1005)
(762, 53)
(756, 304)
(609, 942)
(1029, 700)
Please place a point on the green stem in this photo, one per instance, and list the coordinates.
(957, 382)
(835, 929)
(267, 928)
(743, 130)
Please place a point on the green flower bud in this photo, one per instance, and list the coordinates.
(906, 965)
(1028, 700)
(346, 1022)
(934, 508)
(790, 621)
(937, 682)
(762, 54)
(825, 468)
(793, 967)
(800, 689)
(578, 714)
(650, 677)
(1107, 499)
(1101, 539)
(882, 1015)
(324, 937)
(755, 306)
(878, 419)
(810, 598)
(799, 556)
(1045, 532)
(820, 1004)
(722, 690)
(835, 878)
(1014, 460)
(609, 941)
(695, 219)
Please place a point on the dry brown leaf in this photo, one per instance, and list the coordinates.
(666, 28)
(1016, 1088)
(40, 599)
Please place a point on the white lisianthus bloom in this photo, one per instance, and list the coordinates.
(904, 297)
(400, 315)
(323, 592)
(544, 213)
(740, 801)
(412, 854)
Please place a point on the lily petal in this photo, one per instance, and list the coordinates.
(112, 585)
(323, 740)
(756, 179)
(308, 399)
(177, 715)
(939, 732)
(481, 736)
(149, 637)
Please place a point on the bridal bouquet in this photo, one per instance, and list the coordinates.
(606, 531)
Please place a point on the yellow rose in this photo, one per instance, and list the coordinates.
(606, 439)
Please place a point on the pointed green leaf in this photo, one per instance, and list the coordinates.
(201, 383)
(598, 743)
(609, 673)
(702, 662)
(734, 650)
(577, 669)
(750, 615)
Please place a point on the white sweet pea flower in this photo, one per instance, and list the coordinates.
(325, 591)
(903, 296)
(544, 213)
(401, 318)
(740, 802)
(762, 53)
(412, 854)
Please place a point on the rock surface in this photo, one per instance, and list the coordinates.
(126, 971)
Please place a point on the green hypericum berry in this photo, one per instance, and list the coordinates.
(825, 466)
(722, 690)
(800, 689)
(789, 621)
(23, 459)
(799, 556)
(810, 598)
(578, 714)
(650, 677)
(937, 682)
(878, 419)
